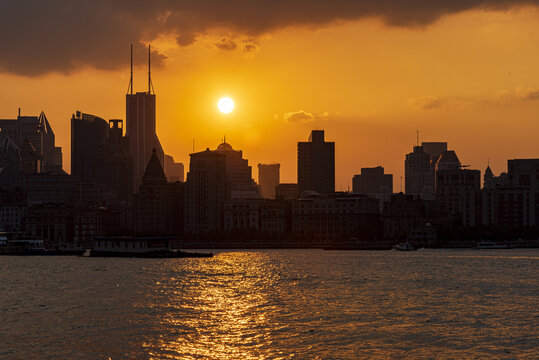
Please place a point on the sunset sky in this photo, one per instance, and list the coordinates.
(370, 73)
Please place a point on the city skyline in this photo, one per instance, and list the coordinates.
(392, 80)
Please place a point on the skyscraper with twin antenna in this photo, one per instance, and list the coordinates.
(140, 125)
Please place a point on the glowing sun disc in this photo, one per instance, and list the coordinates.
(225, 105)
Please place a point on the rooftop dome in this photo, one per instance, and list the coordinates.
(224, 147)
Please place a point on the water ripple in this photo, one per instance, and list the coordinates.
(287, 304)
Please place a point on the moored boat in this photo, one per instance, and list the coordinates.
(405, 246)
(491, 245)
(139, 247)
(18, 244)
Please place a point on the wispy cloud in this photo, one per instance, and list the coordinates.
(304, 117)
(438, 102)
(518, 95)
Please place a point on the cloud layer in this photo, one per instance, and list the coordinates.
(40, 36)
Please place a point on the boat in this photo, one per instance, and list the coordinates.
(139, 247)
(18, 244)
(491, 245)
(405, 246)
(14, 243)
(69, 249)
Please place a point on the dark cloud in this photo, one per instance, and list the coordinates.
(226, 44)
(41, 36)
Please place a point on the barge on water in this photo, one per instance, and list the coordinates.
(139, 247)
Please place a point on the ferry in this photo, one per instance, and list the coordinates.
(139, 247)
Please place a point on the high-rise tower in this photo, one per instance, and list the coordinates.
(316, 164)
(140, 126)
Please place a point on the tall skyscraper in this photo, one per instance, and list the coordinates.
(458, 189)
(115, 168)
(268, 179)
(206, 189)
(316, 164)
(88, 132)
(99, 154)
(140, 126)
(420, 169)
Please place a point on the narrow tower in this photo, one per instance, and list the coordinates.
(140, 127)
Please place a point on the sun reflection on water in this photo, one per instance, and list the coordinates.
(226, 314)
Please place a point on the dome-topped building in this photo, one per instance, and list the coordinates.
(238, 171)
(224, 147)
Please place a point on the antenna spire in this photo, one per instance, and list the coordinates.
(417, 131)
(130, 87)
(150, 85)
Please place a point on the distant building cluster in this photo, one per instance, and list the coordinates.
(123, 183)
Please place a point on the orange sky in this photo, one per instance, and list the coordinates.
(469, 79)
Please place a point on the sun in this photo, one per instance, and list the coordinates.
(225, 105)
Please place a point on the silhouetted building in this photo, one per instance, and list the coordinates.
(401, 215)
(488, 197)
(115, 169)
(99, 155)
(206, 190)
(287, 191)
(268, 179)
(140, 132)
(458, 190)
(316, 164)
(88, 133)
(373, 181)
(242, 215)
(173, 170)
(327, 220)
(158, 204)
(276, 219)
(12, 207)
(258, 219)
(48, 188)
(434, 149)
(91, 194)
(419, 175)
(91, 222)
(35, 139)
(517, 194)
(420, 169)
(51, 222)
(10, 164)
(239, 173)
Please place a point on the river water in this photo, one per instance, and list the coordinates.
(274, 304)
